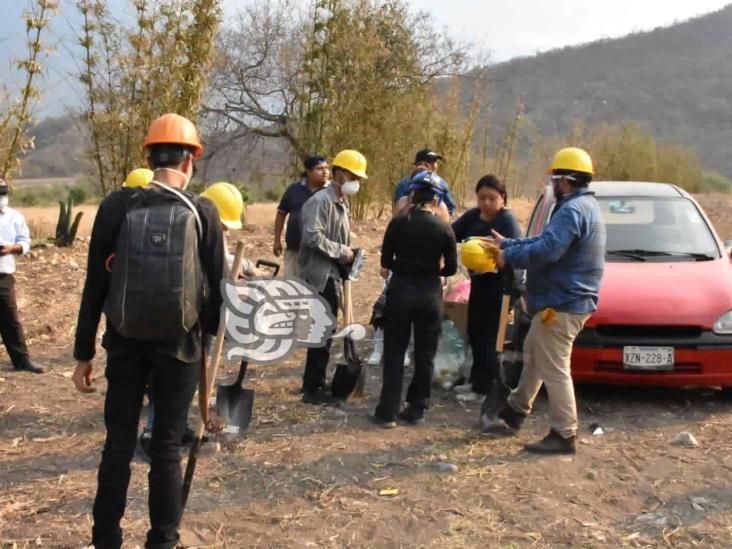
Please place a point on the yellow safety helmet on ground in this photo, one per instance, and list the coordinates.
(173, 129)
(476, 258)
(140, 177)
(574, 159)
(228, 201)
(351, 160)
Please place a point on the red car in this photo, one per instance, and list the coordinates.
(665, 311)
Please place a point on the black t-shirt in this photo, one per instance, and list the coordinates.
(470, 224)
(415, 243)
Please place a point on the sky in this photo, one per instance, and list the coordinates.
(502, 28)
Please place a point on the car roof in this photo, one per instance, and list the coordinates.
(636, 188)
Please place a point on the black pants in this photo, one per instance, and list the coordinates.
(10, 328)
(174, 383)
(316, 363)
(410, 301)
(484, 313)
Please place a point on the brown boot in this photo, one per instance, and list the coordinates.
(553, 443)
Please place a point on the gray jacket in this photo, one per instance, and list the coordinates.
(326, 236)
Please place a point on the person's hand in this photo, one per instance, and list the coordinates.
(7, 249)
(83, 378)
(384, 273)
(500, 260)
(498, 237)
(256, 271)
(277, 248)
(350, 255)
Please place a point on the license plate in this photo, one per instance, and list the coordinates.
(648, 358)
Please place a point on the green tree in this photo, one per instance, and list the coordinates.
(132, 75)
(15, 116)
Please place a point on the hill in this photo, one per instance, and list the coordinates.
(676, 80)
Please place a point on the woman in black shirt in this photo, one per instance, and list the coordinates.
(484, 305)
(414, 246)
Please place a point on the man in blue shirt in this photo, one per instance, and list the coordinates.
(313, 179)
(564, 266)
(429, 161)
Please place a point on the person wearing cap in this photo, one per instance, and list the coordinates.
(415, 248)
(14, 240)
(564, 266)
(429, 160)
(313, 179)
(172, 146)
(325, 252)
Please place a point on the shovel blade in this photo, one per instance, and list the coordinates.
(345, 379)
(234, 407)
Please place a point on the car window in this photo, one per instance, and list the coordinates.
(535, 222)
(667, 225)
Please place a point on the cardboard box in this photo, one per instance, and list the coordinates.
(458, 313)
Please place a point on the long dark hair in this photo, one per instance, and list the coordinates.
(490, 181)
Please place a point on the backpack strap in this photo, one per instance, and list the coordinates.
(183, 198)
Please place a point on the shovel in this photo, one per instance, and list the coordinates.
(204, 390)
(349, 378)
(495, 400)
(234, 404)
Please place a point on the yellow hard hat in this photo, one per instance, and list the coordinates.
(140, 177)
(574, 159)
(476, 258)
(228, 201)
(351, 160)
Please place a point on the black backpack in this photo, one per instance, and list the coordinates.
(156, 283)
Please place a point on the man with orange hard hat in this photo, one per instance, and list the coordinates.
(153, 251)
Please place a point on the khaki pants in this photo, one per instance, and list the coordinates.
(290, 269)
(547, 350)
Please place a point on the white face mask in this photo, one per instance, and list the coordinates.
(3, 202)
(350, 188)
(188, 179)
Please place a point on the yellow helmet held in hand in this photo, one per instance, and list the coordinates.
(476, 258)
(351, 160)
(229, 202)
(574, 159)
(140, 177)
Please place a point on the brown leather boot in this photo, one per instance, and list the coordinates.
(553, 443)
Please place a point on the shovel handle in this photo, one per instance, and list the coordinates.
(503, 323)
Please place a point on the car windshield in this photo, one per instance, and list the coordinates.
(647, 227)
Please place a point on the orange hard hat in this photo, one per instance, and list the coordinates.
(176, 130)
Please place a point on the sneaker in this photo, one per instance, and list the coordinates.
(31, 367)
(463, 388)
(374, 358)
(495, 426)
(412, 415)
(469, 397)
(512, 418)
(320, 398)
(553, 443)
(383, 423)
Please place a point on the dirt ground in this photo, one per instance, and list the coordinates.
(309, 477)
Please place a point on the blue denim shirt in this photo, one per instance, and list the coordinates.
(402, 189)
(566, 261)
